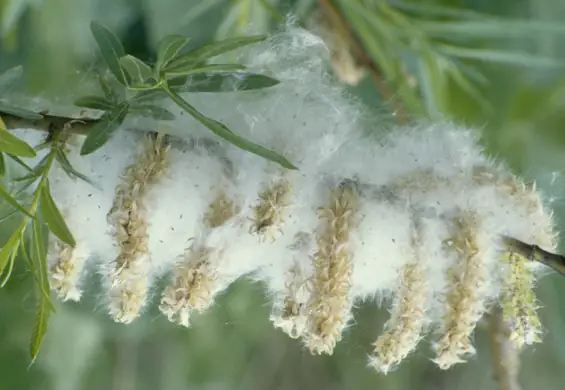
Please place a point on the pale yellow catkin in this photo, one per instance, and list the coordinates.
(196, 276)
(268, 213)
(65, 272)
(409, 316)
(130, 277)
(464, 301)
(330, 303)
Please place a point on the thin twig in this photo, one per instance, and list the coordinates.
(505, 355)
(49, 123)
(340, 23)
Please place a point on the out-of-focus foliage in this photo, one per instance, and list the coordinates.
(472, 61)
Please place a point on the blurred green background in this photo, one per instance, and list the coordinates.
(495, 65)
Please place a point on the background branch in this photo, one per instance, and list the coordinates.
(339, 22)
(505, 355)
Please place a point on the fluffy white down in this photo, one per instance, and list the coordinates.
(428, 172)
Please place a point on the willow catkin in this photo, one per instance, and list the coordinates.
(409, 314)
(130, 277)
(464, 299)
(330, 303)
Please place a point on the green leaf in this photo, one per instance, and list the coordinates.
(212, 68)
(148, 95)
(168, 48)
(107, 89)
(111, 49)
(19, 112)
(137, 70)
(153, 111)
(7, 252)
(228, 82)
(44, 304)
(212, 50)
(68, 168)
(500, 56)
(2, 165)
(103, 130)
(489, 28)
(9, 143)
(11, 260)
(54, 218)
(11, 201)
(222, 131)
(95, 102)
(38, 269)
(40, 328)
(9, 78)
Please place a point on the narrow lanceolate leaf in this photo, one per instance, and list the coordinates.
(222, 131)
(11, 144)
(19, 112)
(500, 56)
(153, 111)
(110, 94)
(5, 195)
(37, 270)
(212, 68)
(44, 304)
(101, 133)
(7, 251)
(53, 217)
(111, 49)
(95, 103)
(228, 82)
(68, 168)
(43, 312)
(213, 49)
(2, 165)
(137, 70)
(9, 78)
(168, 48)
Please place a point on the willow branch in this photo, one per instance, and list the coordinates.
(340, 23)
(505, 355)
(50, 123)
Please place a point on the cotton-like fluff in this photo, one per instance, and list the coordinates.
(129, 274)
(413, 217)
(306, 117)
(193, 222)
(85, 206)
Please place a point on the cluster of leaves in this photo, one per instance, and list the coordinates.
(175, 71)
(133, 89)
(37, 216)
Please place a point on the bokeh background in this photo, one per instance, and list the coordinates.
(499, 66)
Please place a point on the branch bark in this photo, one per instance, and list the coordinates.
(344, 29)
(505, 355)
(49, 123)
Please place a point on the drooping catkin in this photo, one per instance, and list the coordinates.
(221, 210)
(66, 269)
(290, 315)
(519, 302)
(130, 277)
(527, 198)
(464, 299)
(194, 282)
(268, 218)
(330, 304)
(409, 314)
(192, 288)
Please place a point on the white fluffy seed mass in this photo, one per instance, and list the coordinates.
(412, 217)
